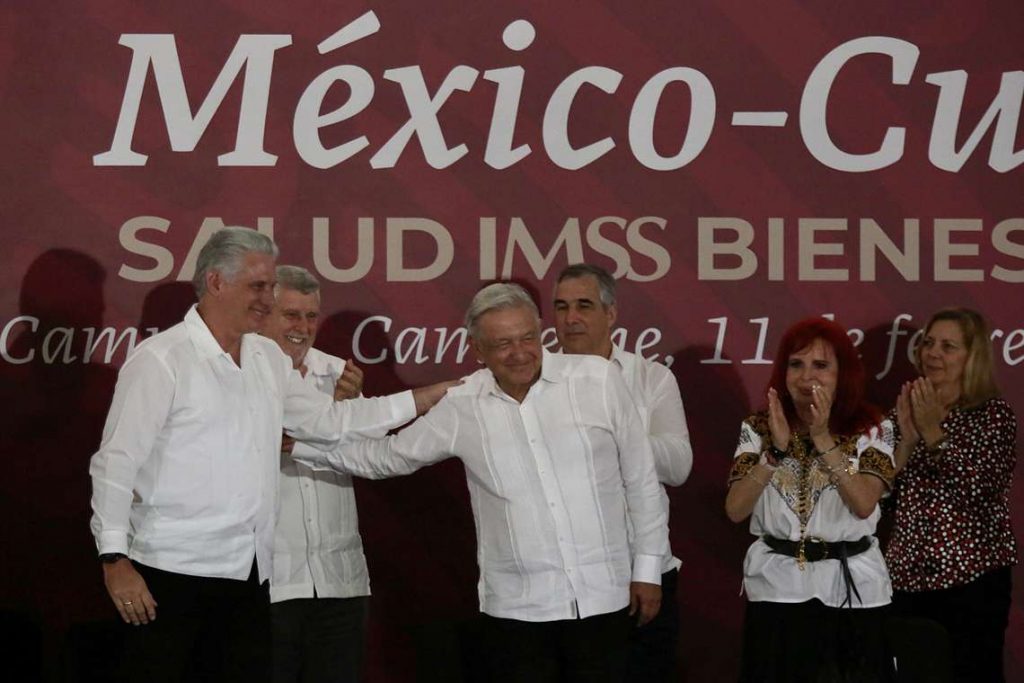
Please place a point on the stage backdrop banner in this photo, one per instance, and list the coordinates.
(737, 165)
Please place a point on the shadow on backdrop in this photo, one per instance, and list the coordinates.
(165, 306)
(711, 547)
(419, 539)
(55, 398)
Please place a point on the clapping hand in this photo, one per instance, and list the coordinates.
(905, 416)
(821, 409)
(927, 410)
(777, 422)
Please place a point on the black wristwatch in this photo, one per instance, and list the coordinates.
(111, 558)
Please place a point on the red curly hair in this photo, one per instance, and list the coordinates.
(851, 412)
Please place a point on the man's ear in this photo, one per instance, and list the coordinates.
(613, 314)
(477, 351)
(214, 282)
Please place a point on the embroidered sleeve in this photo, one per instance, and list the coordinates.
(742, 465)
(748, 450)
(874, 453)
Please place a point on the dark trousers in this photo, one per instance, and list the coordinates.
(809, 642)
(206, 629)
(591, 650)
(974, 615)
(652, 647)
(319, 640)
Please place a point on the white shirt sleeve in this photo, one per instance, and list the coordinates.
(636, 463)
(670, 438)
(424, 442)
(319, 420)
(142, 401)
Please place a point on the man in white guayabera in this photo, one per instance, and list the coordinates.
(559, 467)
(185, 480)
(320, 586)
(585, 311)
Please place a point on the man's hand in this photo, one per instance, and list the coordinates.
(128, 590)
(427, 397)
(287, 444)
(644, 598)
(350, 384)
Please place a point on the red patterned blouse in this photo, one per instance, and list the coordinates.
(952, 512)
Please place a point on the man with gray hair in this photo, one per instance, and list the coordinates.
(185, 479)
(585, 312)
(556, 460)
(320, 584)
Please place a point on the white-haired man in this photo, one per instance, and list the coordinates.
(556, 459)
(185, 479)
(585, 312)
(320, 586)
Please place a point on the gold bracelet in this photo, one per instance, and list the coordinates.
(836, 479)
(824, 453)
(835, 472)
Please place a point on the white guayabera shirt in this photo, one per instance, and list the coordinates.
(186, 476)
(552, 481)
(656, 394)
(317, 546)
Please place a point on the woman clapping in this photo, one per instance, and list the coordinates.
(810, 470)
(952, 545)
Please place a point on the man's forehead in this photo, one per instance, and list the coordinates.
(502, 319)
(294, 299)
(258, 266)
(259, 259)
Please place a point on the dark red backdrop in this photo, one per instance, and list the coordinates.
(94, 247)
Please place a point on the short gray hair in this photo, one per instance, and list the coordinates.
(226, 250)
(495, 297)
(296, 278)
(605, 282)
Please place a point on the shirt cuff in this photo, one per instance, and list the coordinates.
(112, 542)
(310, 456)
(647, 569)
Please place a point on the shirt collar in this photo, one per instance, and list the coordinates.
(206, 344)
(549, 372)
(621, 358)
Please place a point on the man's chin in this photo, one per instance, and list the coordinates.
(256, 319)
(577, 347)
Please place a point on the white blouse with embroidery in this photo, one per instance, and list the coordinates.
(800, 502)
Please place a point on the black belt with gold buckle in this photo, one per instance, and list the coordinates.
(813, 549)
